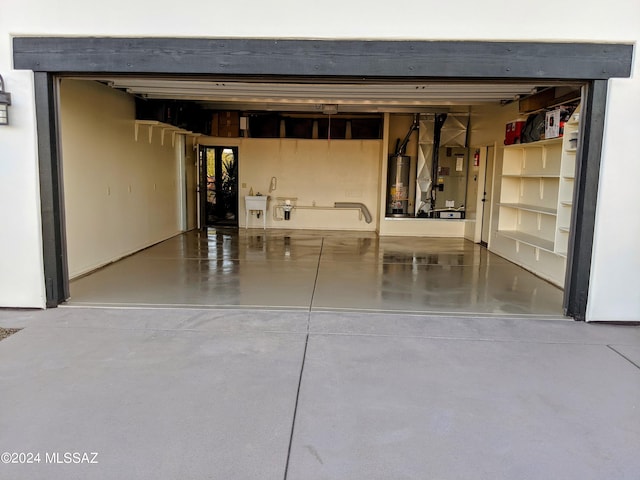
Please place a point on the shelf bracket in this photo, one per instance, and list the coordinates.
(164, 128)
(137, 130)
(541, 188)
(163, 131)
(521, 188)
(194, 137)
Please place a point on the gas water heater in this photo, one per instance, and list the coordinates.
(398, 185)
(399, 178)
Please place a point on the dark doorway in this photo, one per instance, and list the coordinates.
(219, 186)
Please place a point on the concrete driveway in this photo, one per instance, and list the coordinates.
(267, 394)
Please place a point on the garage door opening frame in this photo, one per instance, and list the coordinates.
(333, 60)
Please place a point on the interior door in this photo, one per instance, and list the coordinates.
(487, 196)
(218, 186)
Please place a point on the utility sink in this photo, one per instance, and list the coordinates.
(259, 203)
(256, 202)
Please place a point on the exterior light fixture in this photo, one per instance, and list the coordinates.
(5, 101)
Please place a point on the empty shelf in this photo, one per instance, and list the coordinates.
(530, 208)
(528, 239)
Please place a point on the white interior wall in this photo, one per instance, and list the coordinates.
(181, 179)
(121, 195)
(315, 172)
(472, 202)
(616, 259)
(186, 154)
(488, 124)
(191, 174)
(477, 181)
(422, 227)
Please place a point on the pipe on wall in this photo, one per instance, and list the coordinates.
(363, 208)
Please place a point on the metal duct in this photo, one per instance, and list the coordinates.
(363, 208)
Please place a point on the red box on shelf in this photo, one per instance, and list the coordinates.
(513, 132)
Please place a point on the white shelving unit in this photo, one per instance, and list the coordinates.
(535, 203)
(567, 183)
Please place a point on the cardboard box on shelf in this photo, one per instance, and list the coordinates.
(556, 118)
(552, 128)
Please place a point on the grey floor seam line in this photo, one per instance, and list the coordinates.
(460, 339)
(625, 357)
(186, 330)
(161, 306)
(295, 408)
(304, 357)
(441, 313)
(315, 282)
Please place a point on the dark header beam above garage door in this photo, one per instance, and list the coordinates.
(356, 58)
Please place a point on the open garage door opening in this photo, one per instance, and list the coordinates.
(377, 196)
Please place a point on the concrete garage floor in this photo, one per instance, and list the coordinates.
(250, 394)
(320, 271)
